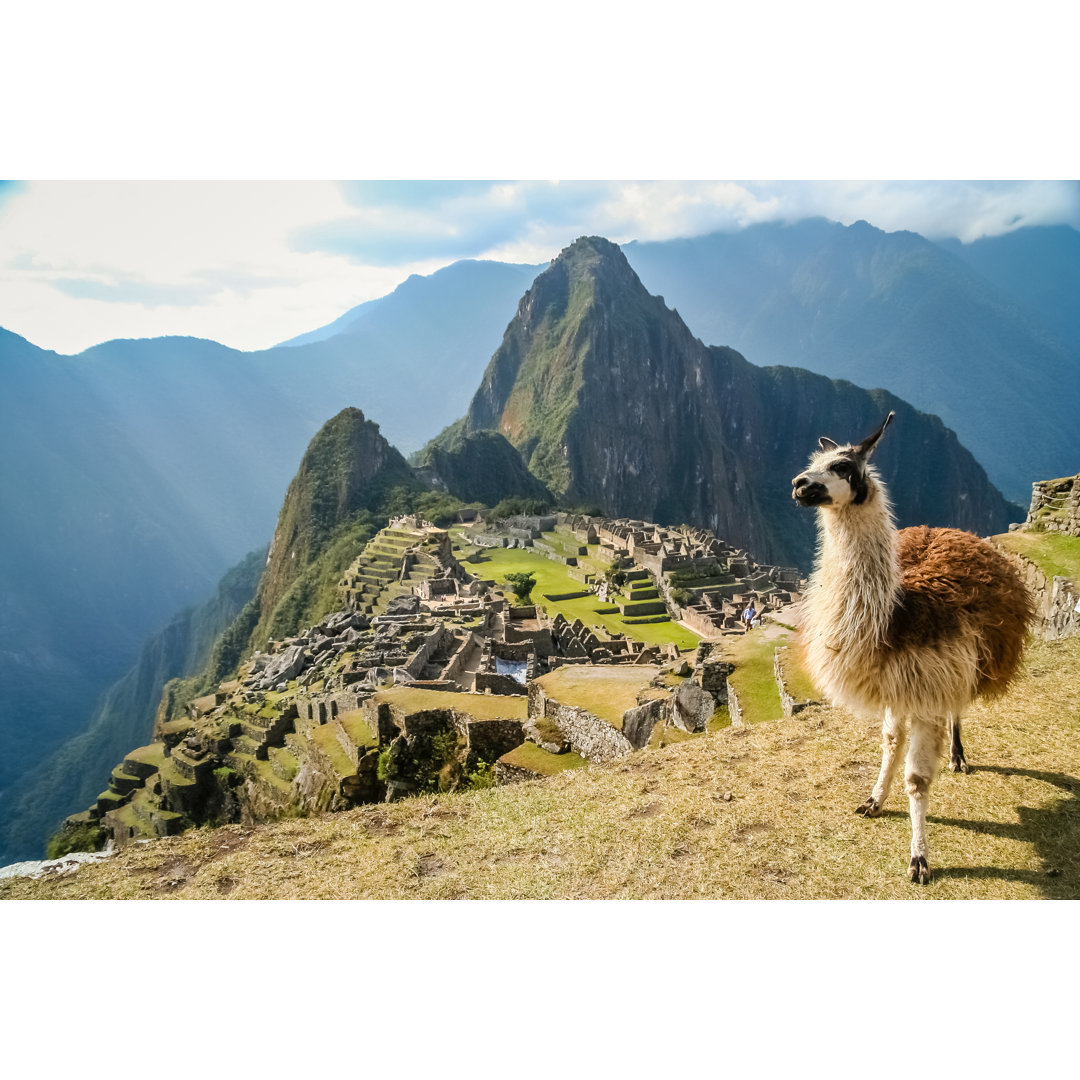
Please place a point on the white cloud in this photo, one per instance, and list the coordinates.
(85, 261)
(253, 263)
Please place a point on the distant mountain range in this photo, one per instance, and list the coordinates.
(897, 311)
(147, 468)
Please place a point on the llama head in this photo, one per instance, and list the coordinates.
(839, 476)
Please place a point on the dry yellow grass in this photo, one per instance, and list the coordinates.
(606, 691)
(760, 812)
(480, 706)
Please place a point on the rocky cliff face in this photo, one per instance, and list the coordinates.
(610, 399)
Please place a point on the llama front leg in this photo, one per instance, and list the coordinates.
(922, 761)
(893, 740)
(957, 761)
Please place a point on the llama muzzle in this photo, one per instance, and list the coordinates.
(808, 492)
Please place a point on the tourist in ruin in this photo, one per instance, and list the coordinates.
(749, 615)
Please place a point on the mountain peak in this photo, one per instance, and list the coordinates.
(348, 468)
(591, 257)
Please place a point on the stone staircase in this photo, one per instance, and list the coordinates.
(379, 573)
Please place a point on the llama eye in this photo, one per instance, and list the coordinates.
(842, 469)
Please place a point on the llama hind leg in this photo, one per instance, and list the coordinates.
(927, 737)
(957, 761)
(893, 740)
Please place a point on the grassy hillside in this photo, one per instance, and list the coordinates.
(758, 812)
(1055, 554)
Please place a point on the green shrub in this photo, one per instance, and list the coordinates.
(227, 777)
(614, 576)
(523, 585)
(518, 506)
(386, 765)
(84, 837)
(483, 776)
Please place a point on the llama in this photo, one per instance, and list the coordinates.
(912, 624)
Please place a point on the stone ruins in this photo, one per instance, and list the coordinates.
(429, 677)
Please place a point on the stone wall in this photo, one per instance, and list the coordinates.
(493, 738)
(431, 644)
(1055, 505)
(493, 682)
(1055, 601)
(713, 671)
(511, 774)
(788, 702)
(456, 663)
(733, 705)
(594, 739)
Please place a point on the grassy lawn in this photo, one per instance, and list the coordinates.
(763, 812)
(552, 577)
(1055, 554)
(324, 738)
(753, 678)
(530, 756)
(605, 691)
(154, 754)
(357, 728)
(564, 544)
(481, 706)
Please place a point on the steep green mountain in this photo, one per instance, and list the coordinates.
(893, 310)
(477, 467)
(610, 399)
(348, 472)
(1039, 267)
(32, 807)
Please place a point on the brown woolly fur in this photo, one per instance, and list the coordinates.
(951, 582)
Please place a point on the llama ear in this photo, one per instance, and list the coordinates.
(826, 444)
(866, 447)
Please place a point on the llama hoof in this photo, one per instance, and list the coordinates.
(959, 764)
(870, 808)
(918, 871)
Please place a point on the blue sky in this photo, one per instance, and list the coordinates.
(251, 263)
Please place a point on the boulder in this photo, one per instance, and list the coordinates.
(639, 724)
(285, 666)
(403, 605)
(693, 707)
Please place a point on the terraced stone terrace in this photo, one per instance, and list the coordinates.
(482, 706)
(553, 581)
(395, 561)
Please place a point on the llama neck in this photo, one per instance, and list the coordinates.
(858, 578)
